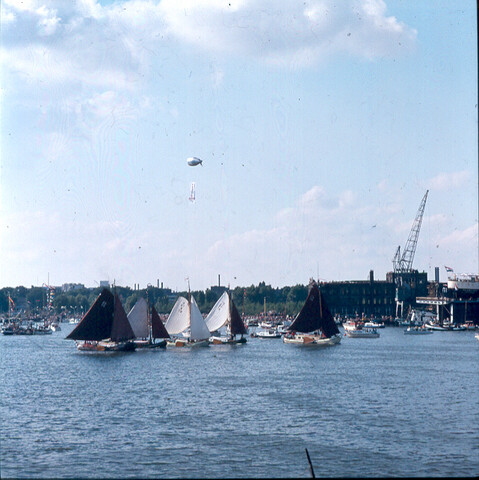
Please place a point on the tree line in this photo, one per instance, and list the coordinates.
(252, 300)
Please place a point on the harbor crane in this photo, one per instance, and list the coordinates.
(403, 263)
(404, 275)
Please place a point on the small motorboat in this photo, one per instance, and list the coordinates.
(268, 333)
(417, 331)
(362, 332)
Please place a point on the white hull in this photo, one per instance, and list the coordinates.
(374, 325)
(312, 340)
(215, 340)
(417, 331)
(438, 328)
(362, 333)
(179, 342)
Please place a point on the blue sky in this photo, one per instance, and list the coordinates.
(320, 125)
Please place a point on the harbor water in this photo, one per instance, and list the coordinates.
(398, 405)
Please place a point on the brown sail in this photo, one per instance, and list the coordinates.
(121, 329)
(314, 315)
(158, 330)
(97, 323)
(237, 325)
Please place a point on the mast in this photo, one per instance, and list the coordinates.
(148, 315)
(189, 305)
(229, 312)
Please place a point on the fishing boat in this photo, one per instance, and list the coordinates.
(314, 324)
(186, 319)
(147, 326)
(105, 327)
(417, 331)
(224, 314)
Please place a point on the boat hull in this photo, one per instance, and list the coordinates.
(419, 331)
(147, 345)
(362, 334)
(312, 340)
(226, 341)
(184, 343)
(106, 346)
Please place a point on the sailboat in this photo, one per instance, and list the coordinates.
(105, 327)
(147, 325)
(185, 318)
(314, 324)
(224, 313)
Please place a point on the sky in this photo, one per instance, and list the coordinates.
(321, 125)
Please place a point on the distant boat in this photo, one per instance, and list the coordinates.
(445, 326)
(373, 324)
(147, 325)
(225, 314)
(105, 327)
(55, 327)
(314, 324)
(185, 318)
(267, 333)
(417, 331)
(362, 331)
(436, 326)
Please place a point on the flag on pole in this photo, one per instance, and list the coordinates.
(11, 302)
(448, 269)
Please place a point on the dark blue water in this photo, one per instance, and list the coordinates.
(394, 406)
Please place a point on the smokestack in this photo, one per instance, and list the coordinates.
(157, 283)
(371, 276)
(436, 274)
(219, 283)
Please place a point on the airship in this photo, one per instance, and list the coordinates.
(193, 161)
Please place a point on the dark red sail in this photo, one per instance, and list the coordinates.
(158, 330)
(314, 315)
(121, 329)
(97, 322)
(237, 325)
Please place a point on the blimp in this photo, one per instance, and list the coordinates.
(193, 161)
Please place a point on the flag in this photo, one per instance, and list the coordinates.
(11, 301)
(448, 269)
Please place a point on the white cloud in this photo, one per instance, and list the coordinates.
(449, 181)
(289, 33)
(111, 45)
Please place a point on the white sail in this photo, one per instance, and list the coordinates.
(219, 314)
(179, 318)
(138, 318)
(199, 330)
